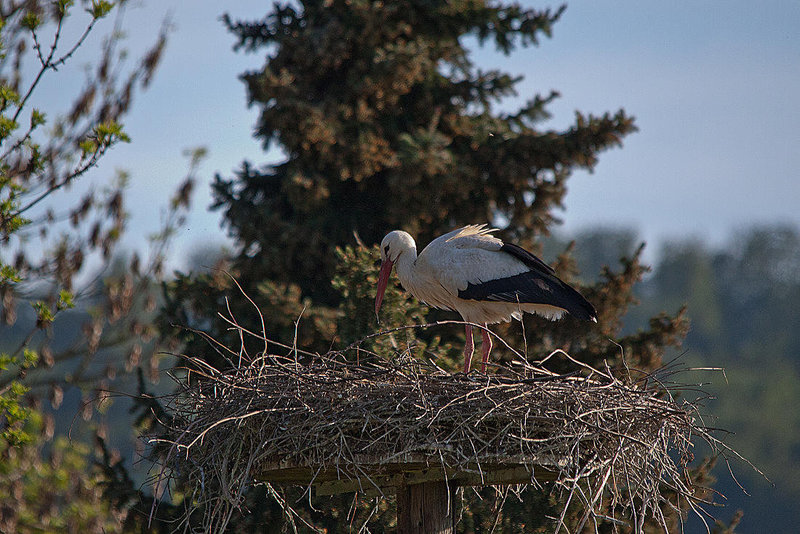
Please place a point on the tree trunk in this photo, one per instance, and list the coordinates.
(427, 508)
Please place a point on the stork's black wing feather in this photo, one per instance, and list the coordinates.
(540, 285)
(527, 258)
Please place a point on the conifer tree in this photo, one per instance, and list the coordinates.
(385, 122)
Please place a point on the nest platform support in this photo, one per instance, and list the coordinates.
(427, 508)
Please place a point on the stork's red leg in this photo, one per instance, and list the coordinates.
(486, 346)
(469, 347)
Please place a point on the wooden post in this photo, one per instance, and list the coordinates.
(427, 508)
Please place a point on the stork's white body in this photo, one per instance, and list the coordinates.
(479, 276)
(470, 255)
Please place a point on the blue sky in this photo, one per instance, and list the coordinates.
(713, 86)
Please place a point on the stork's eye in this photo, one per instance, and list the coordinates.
(386, 250)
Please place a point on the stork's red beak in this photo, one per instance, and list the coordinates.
(383, 281)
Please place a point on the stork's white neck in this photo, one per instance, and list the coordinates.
(404, 264)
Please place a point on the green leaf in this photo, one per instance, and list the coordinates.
(44, 315)
(7, 94)
(65, 300)
(7, 126)
(18, 390)
(31, 20)
(100, 8)
(9, 274)
(30, 358)
(36, 162)
(37, 118)
(110, 131)
(62, 7)
(88, 146)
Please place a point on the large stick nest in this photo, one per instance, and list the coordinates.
(337, 417)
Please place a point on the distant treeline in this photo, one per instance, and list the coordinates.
(743, 300)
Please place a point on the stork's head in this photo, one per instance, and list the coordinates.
(392, 247)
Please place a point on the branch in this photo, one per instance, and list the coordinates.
(63, 59)
(45, 67)
(91, 162)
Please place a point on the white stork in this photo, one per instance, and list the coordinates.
(477, 275)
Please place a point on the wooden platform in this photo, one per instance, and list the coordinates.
(386, 478)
